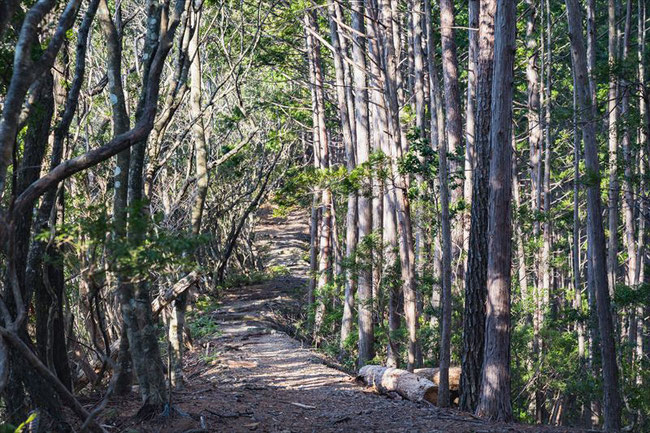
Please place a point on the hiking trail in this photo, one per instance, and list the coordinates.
(251, 376)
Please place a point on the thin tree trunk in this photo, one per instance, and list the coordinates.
(390, 259)
(629, 202)
(535, 139)
(453, 121)
(454, 136)
(364, 284)
(177, 319)
(415, 33)
(198, 128)
(591, 50)
(315, 210)
(377, 122)
(437, 132)
(594, 359)
(596, 236)
(406, 247)
(121, 176)
(351, 216)
(390, 231)
(445, 340)
(544, 280)
(643, 198)
(324, 244)
(612, 139)
(522, 272)
(470, 127)
(144, 341)
(437, 137)
(575, 246)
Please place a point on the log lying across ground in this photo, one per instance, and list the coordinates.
(433, 374)
(408, 385)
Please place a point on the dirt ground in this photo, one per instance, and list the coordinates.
(251, 377)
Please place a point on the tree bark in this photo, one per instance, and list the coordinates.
(351, 216)
(454, 131)
(470, 128)
(476, 278)
(596, 236)
(494, 400)
(324, 244)
(402, 206)
(364, 284)
(415, 33)
(315, 210)
(121, 124)
(612, 140)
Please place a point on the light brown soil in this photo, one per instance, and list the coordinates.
(250, 376)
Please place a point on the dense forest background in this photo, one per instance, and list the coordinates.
(476, 174)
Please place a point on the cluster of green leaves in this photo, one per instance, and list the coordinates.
(300, 183)
(145, 252)
(202, 325)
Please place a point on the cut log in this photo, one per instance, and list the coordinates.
(433, 374)
(408, 385)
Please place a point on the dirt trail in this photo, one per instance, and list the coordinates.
(252, 377)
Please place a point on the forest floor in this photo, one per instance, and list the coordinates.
(249, 375)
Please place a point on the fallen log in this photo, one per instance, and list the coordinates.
(408, 385)
(433, 374)
(166, 297)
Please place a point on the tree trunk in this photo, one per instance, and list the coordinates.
(315, 210)
(643, 198)
(324, 243)
(470, 128)
(494, 399)
(403, 214)
(177, 319)
(415, 33)
(121, 124)
(575, 245)
(476, 278)
(629, 202)
(364, 284)
(612, 139)
(522, 270)
(454, 131)
(596, 236)
(136, 301)
(351, 216)
(445, 343)
(453, 121)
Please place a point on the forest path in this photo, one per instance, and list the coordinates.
(249, 376)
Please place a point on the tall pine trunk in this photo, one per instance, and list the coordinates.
(364, 284)
(595, 233)
(350, 158)
(494, 400)
(476, 278)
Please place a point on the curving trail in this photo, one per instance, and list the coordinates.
(250, 376)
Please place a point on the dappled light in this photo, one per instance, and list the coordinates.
(310, 216)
